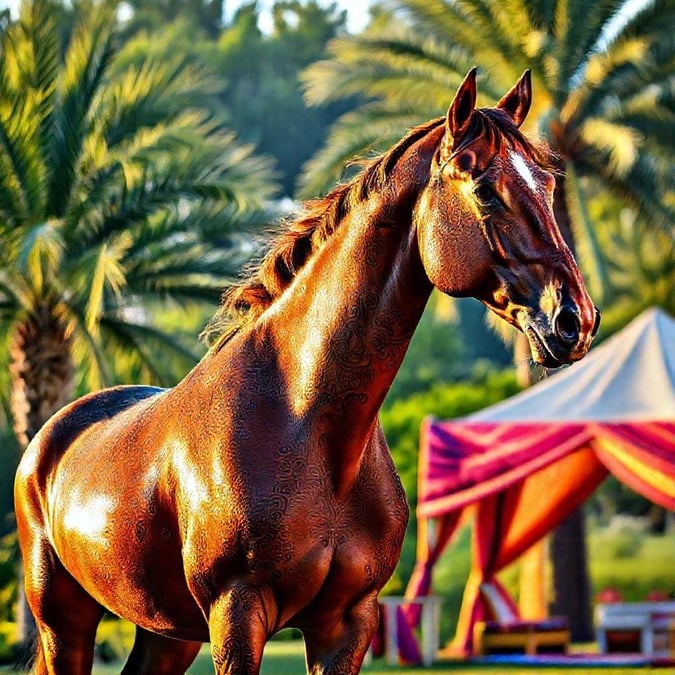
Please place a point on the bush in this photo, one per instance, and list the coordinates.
(114, 639)
(401, 417)
(642, 566)
(621, 544)
(9, 547)
(449, 580)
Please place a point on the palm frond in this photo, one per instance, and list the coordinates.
(608, 77)
(45, 61)
(440, 18)
(28, 79)
(16, 291)
(394, 64)
(650, 18)
(10, 297)
(655, 122)
(644, 186)
(40, 254)
(93, 366)
(588, 247)
(144, 342)
(181, 166)
(578, 27)
(148, 94)
(490, 17)
(108, 274)
(26, 93)
(640, 261)
(360, 133)
(88, 57)
(620, 143)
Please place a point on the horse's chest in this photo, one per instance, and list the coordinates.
(296, 533)
(308, 542)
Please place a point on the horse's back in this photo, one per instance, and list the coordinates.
(44, 452)
(67, 424)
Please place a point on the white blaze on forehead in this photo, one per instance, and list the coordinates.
(524, 171)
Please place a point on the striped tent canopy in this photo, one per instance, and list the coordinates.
(525, 464)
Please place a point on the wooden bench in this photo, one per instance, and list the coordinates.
(648, 627)
(508, 632)
(530, 637)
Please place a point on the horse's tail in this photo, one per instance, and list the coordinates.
(28, 654)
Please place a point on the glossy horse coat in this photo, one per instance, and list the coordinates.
(259, 492)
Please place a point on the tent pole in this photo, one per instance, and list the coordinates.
(533, 597)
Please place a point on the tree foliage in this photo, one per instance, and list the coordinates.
(119, 191)
(264, 96)
(603, 82)
(205, 16)
(261, 95)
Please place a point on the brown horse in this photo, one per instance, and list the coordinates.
(259, 492)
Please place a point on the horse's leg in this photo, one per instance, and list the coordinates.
(158, 655)
(339, 649)
(65, 614)
(239, 625)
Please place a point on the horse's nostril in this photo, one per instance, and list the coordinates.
(566, 326)
(596, 325)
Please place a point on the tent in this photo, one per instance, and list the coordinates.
(525, 464)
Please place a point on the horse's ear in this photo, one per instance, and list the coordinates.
(516, 103)
(459, 112)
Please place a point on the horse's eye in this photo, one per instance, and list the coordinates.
(485, 193)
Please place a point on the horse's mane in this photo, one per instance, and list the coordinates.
(290, 249)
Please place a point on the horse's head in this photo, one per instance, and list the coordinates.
(486, 227)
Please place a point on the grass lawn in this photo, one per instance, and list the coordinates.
(634, 564)
(287, 658)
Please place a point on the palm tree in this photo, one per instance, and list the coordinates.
(603, 82)
(638, 264)
(118, 192)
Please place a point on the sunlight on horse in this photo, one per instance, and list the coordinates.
(259, 493)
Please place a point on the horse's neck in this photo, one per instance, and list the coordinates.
(346, 323)
(342, 329)
(329, 348)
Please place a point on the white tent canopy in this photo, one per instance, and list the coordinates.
(631, 376)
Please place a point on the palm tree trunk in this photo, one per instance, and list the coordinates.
(42, 375)
(568, 551)
(41, 369)
(571, 584)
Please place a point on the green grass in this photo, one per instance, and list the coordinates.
(287, 658)
(635, 564)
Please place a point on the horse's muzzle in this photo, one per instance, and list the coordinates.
(561, 338)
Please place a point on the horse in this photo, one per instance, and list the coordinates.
(259, 492)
